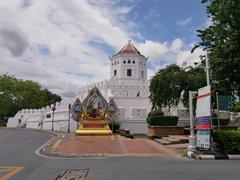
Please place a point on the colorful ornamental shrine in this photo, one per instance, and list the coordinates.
(93, 114)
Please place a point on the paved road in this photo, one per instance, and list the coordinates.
(17, 148)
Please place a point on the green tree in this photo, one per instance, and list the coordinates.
(222, 41)
(171, 85)
(236, 107)
(18, 94)
(166, 86)
(196, 78)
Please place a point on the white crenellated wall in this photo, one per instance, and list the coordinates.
(42, 118)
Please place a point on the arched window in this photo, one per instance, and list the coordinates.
(133, 62)
(129, 61)
(124, 62)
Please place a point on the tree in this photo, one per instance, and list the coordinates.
(166, 87)
(196, 78)
(18, 94)
(171, 85)
(222, 41)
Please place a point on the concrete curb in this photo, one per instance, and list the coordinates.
(195, 156)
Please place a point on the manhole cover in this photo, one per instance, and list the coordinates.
(73, 174)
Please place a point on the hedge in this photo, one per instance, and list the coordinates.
(162, 120)
(116, 125)
(228, 141)
(223, 122)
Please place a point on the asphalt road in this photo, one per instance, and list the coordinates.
(17, 148)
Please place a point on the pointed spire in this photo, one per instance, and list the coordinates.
(129, 48)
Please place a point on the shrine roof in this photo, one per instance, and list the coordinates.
(129, 48)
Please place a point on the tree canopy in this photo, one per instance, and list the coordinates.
(169, 84)
(222, 41)
(18, 94)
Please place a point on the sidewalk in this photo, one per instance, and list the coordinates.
(70, 145)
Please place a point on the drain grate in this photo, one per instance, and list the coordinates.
(73, 174)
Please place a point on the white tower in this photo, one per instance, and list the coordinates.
(129, 64)
(129, 77)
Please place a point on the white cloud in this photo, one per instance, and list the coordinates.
(184, 22)
(175, 52)
(170, 52)
(189, 58)
(177, 44)
(50, 41)
(155, 50)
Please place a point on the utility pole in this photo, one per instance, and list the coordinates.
(207, 70)
(53, 109)
(192, 137)
(69, 108)
(218, 118)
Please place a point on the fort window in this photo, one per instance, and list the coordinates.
(124, 62)
(129, 72)
(115, 72)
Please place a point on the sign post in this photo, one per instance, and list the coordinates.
(204, 118)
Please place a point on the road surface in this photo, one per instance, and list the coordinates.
(18, 160)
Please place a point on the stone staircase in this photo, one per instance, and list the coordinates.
(172, 139)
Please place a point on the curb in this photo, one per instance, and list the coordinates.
(195, 156)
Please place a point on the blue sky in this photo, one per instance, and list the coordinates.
(164, 20)
(65, 45)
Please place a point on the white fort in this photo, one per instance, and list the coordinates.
(128, 86)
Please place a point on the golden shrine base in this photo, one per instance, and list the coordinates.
(93, 127)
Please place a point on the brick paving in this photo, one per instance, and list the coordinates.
(110, 145)
(90, 145)
(139, 146)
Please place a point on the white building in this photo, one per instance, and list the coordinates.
(128, 85)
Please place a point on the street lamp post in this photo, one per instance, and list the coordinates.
(53, 109)
(192, 137)
(69, 109)
(207, 70)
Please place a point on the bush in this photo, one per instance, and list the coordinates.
(223, 122)
(162, 120)
(156, 113)
(228, 141)
(116, 125)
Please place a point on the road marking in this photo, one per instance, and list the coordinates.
(9, 171)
